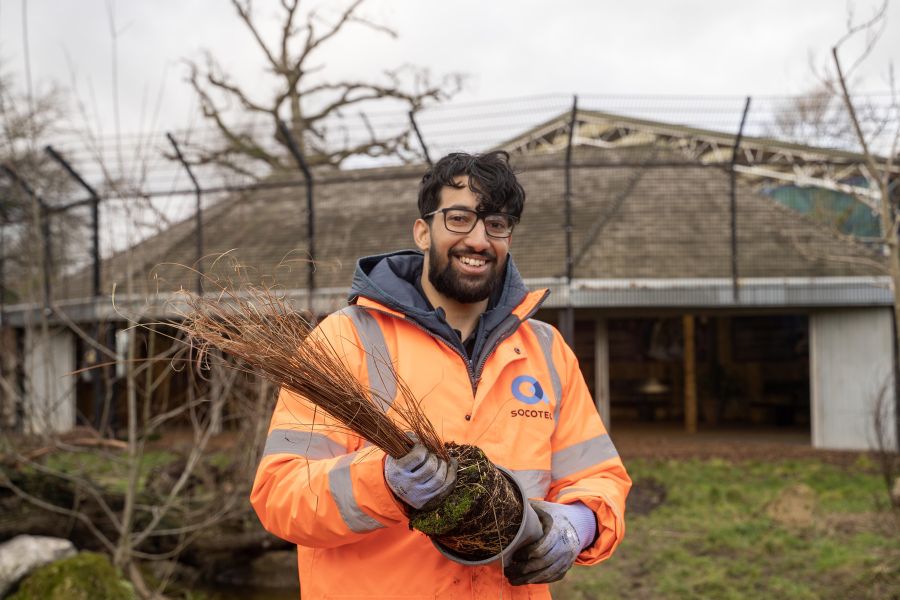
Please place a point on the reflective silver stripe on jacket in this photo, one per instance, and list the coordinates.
(582, 455)
(581, 491)
(536, 482)
(309, 444)
(544, 333)
(382, 380)
(341, 486)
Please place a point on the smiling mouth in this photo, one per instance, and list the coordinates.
(472, 262)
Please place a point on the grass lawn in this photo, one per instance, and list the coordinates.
(794, 529)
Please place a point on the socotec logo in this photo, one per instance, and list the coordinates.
(527, 389)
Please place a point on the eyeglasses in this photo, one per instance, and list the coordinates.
(463, 220)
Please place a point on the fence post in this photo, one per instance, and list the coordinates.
(198, 222)
(95, 215)
(310, 215)
(48, 254)
(567, 316)
(97, 371)
(415, 126)
(735, 289)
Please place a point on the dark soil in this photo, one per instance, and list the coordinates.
(645, 496)
(670, 442)
(482, 514)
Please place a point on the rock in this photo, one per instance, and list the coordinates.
(25, 553)
(85, 576)
(794, 506)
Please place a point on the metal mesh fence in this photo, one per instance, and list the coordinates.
(669, 201)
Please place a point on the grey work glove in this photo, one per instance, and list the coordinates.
(420, 477)
(553, 554)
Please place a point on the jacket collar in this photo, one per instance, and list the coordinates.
(390, 280)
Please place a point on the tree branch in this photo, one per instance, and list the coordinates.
(42, 504)
(236, 143)
(306, 107)
(81, 484)
(872, 35)
(244, 12)
(222, 84)
(314, 42)
(287, 32)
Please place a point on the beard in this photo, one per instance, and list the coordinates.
(462, 288)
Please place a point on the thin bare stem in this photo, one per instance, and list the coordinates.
(261, 328)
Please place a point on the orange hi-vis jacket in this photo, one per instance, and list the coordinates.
(529, 410)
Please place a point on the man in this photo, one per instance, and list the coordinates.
(454, 320)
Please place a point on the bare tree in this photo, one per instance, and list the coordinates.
(882, 175)
(814, 118)
(884, 442)
(139, 503)
(880, 171)
(316, 108)
(112, 486)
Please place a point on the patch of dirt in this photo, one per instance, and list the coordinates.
(794, 506)
(740, 445)
(847, 524)
(645, 496)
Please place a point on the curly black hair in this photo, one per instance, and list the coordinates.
(491, 178)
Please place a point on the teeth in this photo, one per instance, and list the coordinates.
(472, 262)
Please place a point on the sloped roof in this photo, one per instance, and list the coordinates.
(656, 221)
(594, 125)
(760, 160)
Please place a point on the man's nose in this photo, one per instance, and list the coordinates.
(477, 239)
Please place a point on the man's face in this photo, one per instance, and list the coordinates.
(465, 267)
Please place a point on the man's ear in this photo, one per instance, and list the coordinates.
(422, 235)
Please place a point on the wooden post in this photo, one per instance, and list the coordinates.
(601, 370)
(690, 375)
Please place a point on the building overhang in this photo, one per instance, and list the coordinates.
(766, 292)
(763, 292)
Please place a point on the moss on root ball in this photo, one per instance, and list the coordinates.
(448, 515)
(85, 576)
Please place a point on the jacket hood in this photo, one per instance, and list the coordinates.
(390, 279)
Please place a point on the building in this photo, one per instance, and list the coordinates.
(672, 231)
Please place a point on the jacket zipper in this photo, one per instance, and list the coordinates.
(502, 337)
(465, 360)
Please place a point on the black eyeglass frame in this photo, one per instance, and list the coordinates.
(479, 216)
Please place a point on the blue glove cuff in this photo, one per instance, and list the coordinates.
(583, 520)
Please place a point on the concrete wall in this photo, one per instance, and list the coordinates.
(49, 389)
(850, 362)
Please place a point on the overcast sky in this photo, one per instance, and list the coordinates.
(507, 48)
